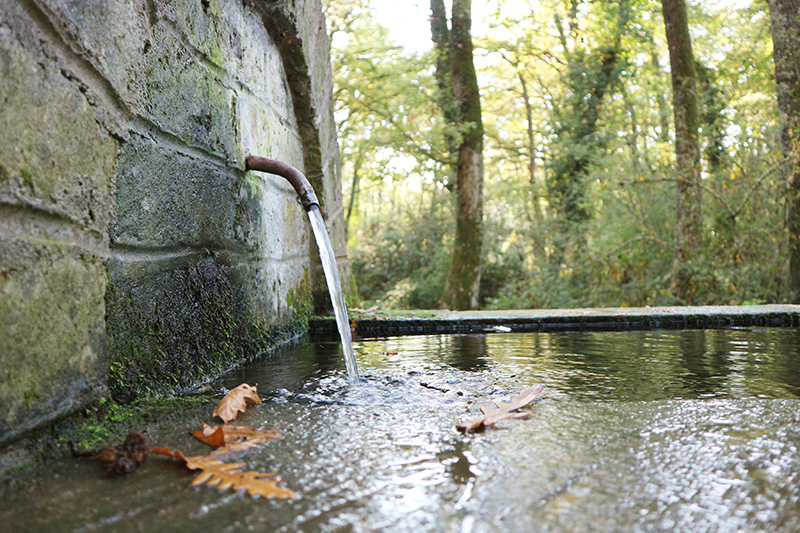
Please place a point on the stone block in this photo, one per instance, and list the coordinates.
(112, 36)
(185, 98)
(57, 157)
(132, 243)
(56, 170)
(168, 199)
(52, 332)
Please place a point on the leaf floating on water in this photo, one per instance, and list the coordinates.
(214, 436)
(227, 439)
(234, 439)
(193, 462)
(235, 434)
(501, 411)
(236, 401)
(215, 473)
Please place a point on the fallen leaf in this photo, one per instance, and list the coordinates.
(236, 401)
(214, 436)
(501, 410)
(223, 476)
(234, 439)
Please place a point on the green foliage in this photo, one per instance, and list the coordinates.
(403, 264)
(558, 126)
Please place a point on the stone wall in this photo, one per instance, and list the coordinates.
(135, 253)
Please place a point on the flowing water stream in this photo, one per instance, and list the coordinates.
(636, 431)
(328, 259)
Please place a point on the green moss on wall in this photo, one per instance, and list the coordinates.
(160, 344)
(300, 301)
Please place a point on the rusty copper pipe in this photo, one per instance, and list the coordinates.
(301, 185)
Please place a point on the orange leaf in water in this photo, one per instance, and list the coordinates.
(501, 410)
(235, 401)
(234, 439)
(215, 473)
(214, 436)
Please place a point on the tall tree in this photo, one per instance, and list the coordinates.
(688, 223)
(590, 74)
(455, 72)
(785, 25)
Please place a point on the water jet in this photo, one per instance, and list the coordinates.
(310, 202)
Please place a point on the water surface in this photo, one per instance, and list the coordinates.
(637, 431)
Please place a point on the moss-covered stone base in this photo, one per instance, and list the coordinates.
(164, 341)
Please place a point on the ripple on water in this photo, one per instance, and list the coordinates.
(691, 431)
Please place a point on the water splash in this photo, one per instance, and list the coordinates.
(334, 288)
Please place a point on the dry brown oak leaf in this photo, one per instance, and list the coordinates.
(236, 401)
(233, 439)
(501, 410)
(223, 476)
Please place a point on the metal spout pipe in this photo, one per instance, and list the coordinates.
(301, 185)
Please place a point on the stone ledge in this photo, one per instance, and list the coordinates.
(546, 320)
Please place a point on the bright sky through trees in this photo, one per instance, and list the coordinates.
(408, 21)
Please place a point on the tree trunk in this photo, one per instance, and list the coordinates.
(537, 211)
(785, 25)
(663, 107)
(463, 279)
(710, 109)
(633, 138)
(353, 191)
(447, 102)
(684, 101)
(589, 75)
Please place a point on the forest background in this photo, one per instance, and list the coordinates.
(580, 176)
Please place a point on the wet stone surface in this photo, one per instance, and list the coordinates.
(637, 431)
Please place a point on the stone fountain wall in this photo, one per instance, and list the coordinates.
(136, 256)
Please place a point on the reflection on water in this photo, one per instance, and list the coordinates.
(612, 366)
(683, 431)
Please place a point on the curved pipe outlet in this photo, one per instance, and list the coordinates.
(301, 185)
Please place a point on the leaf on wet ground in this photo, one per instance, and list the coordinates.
(224, 476)
(226, 439)
(500, 411)
(236, 401)
(229, 439)
(214, 436)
